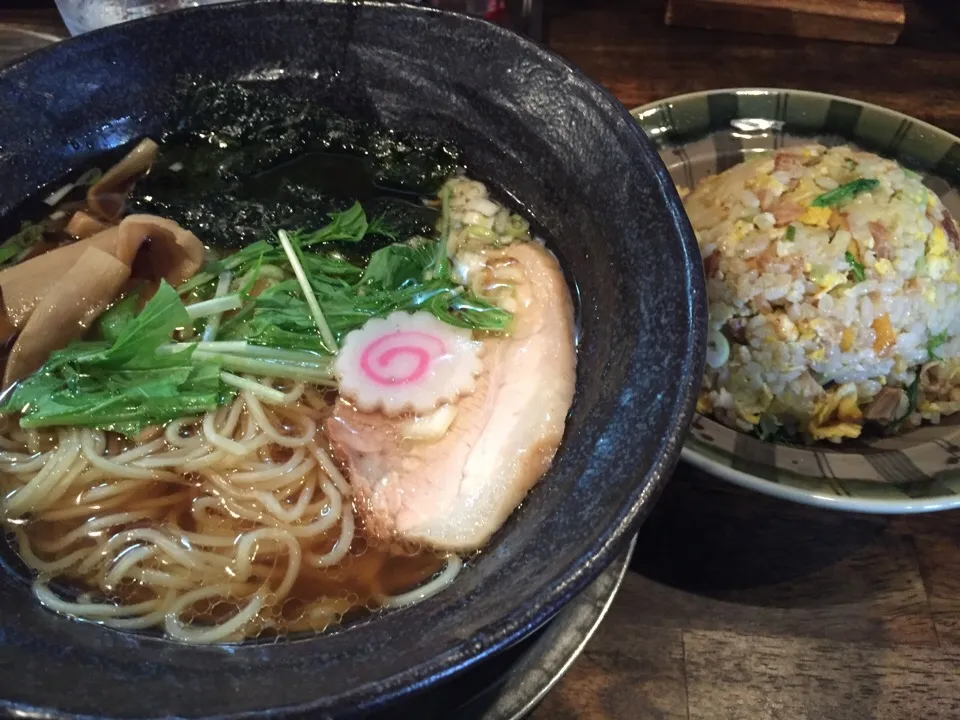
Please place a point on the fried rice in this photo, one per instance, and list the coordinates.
(833, 277)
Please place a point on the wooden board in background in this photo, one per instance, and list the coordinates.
(863, 21)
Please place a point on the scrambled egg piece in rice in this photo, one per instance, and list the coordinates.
(833, 277)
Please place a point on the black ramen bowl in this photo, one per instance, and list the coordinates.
(543, 134)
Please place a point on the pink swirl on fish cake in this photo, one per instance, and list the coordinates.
(384, 352)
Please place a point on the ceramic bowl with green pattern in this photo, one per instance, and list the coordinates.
(705, 133)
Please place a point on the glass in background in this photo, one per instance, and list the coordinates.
(81, 16)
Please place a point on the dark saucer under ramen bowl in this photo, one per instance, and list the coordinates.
(529, 124)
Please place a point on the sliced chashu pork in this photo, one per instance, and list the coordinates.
(454, 492)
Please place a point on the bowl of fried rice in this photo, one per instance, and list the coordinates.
(831, 251)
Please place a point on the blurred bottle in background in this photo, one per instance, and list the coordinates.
(493, 10)
(524, 16)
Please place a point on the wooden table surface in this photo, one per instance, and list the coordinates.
(738, 606)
